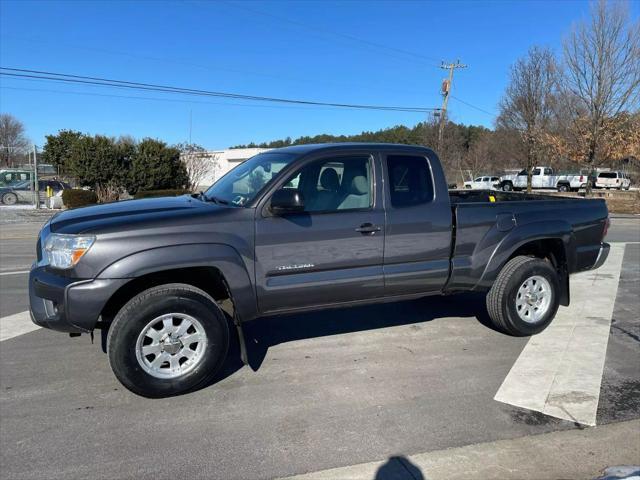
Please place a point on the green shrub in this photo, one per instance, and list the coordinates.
(170, 192)
(74, 198)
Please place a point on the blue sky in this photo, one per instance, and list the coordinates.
(283, 49)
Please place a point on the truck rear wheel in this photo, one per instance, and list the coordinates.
(167, 340)
(524, 298)
(507, 187)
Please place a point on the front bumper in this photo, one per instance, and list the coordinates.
(66, 304)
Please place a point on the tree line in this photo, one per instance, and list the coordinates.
(112, 166)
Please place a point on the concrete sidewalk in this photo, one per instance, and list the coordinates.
(570, 454)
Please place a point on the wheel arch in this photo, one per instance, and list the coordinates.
(551, 241)
(214, 268)
(207, 279)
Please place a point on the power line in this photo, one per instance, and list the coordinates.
(157, 99)
(87, 80)
(473, 106)
(178, 61)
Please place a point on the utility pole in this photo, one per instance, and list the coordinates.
(35, 176)
(446, 90)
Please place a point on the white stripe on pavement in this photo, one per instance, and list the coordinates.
(16, 272)
(559, 371)
(15, 325)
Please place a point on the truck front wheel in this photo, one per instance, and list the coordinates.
(167, 340)
(524, 298)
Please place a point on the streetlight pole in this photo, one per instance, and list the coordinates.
(35, 177)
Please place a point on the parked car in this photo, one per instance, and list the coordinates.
(300, 228)
(619, 180)
(23, 191)
(13, 176)
(483, 183)
(544, 177)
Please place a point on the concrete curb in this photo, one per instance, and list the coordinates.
(578, 453)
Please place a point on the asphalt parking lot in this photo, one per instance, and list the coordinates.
(324, 390)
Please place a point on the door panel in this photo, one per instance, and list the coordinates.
(418, 233)
(319, 257)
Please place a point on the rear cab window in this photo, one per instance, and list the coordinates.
(410, 180)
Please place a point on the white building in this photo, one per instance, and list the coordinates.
(220, 162)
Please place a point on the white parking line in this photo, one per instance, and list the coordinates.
(16, 272)
(15, 325)
(559, 371)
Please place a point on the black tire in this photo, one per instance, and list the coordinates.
(563, 187)
(507, 187)
(501, 300)
(9, 198)
(135, 316)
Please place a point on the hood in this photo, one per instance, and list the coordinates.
(129, 214)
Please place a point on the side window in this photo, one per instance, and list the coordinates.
(479, 179)
(548, 171)
(495, 179)
(335, 184)
(410, 181)
(536, 171)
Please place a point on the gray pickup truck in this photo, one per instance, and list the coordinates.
(300, 228)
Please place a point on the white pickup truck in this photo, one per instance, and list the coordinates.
(544, 177)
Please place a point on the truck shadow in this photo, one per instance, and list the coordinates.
(265, 332)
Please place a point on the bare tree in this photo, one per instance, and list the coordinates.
(602, 71)
(13, 141)
(528, 103)
(199, 163)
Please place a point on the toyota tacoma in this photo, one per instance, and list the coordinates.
(300, 228)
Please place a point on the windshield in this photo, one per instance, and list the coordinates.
(240, 186)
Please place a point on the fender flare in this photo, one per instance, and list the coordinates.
(220, 256)
(520, 236)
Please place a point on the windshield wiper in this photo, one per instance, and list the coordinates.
(217, 200)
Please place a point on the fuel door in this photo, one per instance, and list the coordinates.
(505, 222)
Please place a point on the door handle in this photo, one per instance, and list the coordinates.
(369, 228)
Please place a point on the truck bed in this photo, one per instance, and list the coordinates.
(482, 196)
(486, 223)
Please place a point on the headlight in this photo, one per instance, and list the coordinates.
(64, 251)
